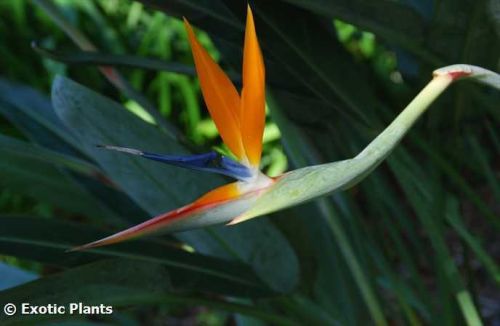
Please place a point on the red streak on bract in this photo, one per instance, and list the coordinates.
(146, 227)
(216, 197)
(211, 199)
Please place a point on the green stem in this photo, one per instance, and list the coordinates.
(383, 145)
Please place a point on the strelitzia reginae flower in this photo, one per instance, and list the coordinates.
(240, 118)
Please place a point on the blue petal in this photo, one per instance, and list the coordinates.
(209, 162)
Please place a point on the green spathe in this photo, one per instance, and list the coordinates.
(304, 184)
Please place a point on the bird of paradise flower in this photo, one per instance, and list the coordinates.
(240, 120)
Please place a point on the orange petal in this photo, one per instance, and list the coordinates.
(253, 94)
(222, 193)
(221, 97)
(180, 219)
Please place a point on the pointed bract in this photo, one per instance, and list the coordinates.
(223, 201)
(221, 97)
(253, 94)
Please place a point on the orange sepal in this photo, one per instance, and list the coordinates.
(219, 194)
(253, 96)
(221, 97)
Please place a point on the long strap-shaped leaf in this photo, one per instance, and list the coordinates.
(308, 183)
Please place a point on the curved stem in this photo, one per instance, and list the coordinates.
(384, 143)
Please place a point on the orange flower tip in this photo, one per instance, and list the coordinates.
(187, 25)
(253, 94)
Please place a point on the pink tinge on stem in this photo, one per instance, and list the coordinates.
(458, 74)
(456, 71)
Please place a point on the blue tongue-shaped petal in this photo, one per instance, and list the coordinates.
(210, 162)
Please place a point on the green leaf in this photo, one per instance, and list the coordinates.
(32, 113)
(20, 148)
(34, 116)
(33, 176)
(215, 11)
(96, 120)
(493, 10)
(158, 188)
(473, 33)
(99, 283)
(46, 240)
(453, 217)
(99, 58)
(426, 201)
(393, 21)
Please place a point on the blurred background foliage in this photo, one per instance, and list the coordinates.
(415, 243)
